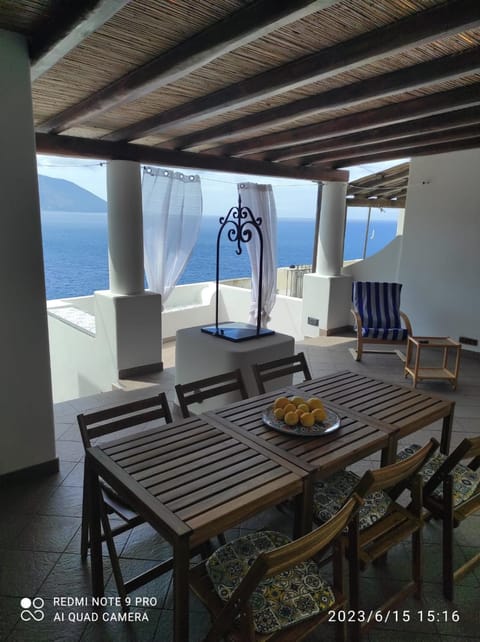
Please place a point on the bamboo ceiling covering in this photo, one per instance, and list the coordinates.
(276, 87)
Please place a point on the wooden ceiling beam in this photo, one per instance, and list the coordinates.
(253, 21)
(459, 133)
(398, 112)
(93, 148)
(427, 150)
(437, 22)
(376, 202)
(403, 80)
(438, 122)
(62, 32)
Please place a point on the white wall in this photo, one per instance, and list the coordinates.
(440, 261)
(286, 316)
(26, 425)
(382, 266)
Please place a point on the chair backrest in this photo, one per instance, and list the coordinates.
(469, 448)
(314, 544)
(202, 389)
(280, 368)
(377, 304)
(394, 478)
(109, 420)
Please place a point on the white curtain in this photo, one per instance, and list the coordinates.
(172, 212)
(260, 200)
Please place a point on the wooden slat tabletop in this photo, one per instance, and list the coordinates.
(400, 407)
(200, 474)
(321, 455)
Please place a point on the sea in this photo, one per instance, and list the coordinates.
(75, 250)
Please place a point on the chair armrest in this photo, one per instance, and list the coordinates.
(406, 320)
(358, 321)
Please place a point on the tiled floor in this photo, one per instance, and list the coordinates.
(40, 521)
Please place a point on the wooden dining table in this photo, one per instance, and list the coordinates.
(198, 477)
(399, 407)
(191, 480)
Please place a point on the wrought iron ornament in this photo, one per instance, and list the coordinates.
(241, 225)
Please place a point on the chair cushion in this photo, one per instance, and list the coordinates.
(385, 334)
(277, 602)
(329, 495)
(465, 480)
(378, 304)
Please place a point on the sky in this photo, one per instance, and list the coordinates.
(293, 198)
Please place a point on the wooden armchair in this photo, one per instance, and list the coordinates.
(270, 370)
(378, 318)
(202, 389)
(248, 584)
(452, 493)
(98, 424)
(383, 522)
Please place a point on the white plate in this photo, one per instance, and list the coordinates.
(330, 424)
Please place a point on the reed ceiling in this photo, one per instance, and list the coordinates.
(298, 89)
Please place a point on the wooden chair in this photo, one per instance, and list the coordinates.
(280, 368)
(452, 493)
(383, 522)
(243, 610)
(106, 422)
(378, 318)
(202, 389)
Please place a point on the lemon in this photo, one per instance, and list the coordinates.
(279, 413)
(290, 407)
(280, 402)
(303, 407)
(297, 400)
(291, 418)
(314, 402)
(307, 419)
(319, 414)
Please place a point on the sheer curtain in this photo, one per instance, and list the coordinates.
(172, 212)
(260, 200)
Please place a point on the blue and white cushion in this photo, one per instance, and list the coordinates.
(329, 495)
(466, 481)
(280, 601)
(378, 305)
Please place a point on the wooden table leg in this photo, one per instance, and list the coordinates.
(389, 453)
(181, 552)
(304, 509)
(93, 491)
(446, 434)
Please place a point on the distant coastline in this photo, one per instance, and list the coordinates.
(59, 195)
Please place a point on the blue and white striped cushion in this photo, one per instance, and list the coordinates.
(388, 334)
(378, 304)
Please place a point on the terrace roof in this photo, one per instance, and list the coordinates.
(274, 87)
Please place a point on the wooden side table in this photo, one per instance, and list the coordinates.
(447, 371)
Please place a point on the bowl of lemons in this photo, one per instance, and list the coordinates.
(299, 416)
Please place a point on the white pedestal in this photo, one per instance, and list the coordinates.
(199, 355)
(326, 304)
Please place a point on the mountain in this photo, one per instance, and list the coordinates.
(57, 194)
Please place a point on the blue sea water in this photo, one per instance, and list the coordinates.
(75, 250)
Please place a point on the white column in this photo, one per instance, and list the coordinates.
(125, 227)
(26, 424)
(332, 228)
(130, 317)
(326, 292)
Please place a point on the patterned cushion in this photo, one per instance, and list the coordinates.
(465, 480)
(282, 600)
(331, 494)
(386, 334)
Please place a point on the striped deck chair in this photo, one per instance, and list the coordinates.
(378, 318)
